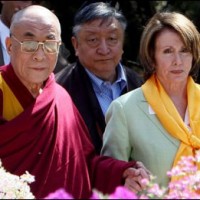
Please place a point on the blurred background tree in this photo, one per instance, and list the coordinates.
(137, 13)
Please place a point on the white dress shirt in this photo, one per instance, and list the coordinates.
(4, 33)
(186, 118)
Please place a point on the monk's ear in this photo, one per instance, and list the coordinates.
(8, 44)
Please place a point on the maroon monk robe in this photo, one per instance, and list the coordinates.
(50, 141)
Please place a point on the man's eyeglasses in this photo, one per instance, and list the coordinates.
(29, 46)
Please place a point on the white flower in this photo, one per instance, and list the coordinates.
(15, 187)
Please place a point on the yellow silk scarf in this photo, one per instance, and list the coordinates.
(170, 118)
(11, 106)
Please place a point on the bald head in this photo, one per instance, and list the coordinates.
(29, 46)
(35, 14)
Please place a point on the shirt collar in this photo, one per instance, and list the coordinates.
(186, 118)
(121, 78)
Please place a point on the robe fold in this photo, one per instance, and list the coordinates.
(48, 138)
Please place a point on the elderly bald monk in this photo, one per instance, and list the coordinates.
(41, 130)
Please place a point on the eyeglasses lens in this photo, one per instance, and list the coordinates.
(48, 46)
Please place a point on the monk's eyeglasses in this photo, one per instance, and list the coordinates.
(30, 46)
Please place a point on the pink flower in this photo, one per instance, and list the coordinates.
(122, 193)
(59, 194)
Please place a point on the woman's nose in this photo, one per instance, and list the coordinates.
(177, 59)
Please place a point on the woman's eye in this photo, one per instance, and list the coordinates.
(185, 50)
(167, 51)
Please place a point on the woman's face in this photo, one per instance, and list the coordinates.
(173, 61)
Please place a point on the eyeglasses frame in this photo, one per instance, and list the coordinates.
(39, 43)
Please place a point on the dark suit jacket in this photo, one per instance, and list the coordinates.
(76, 81)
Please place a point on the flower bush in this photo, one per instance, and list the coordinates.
(15, 187)
(187, 185)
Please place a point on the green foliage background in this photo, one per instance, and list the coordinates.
(137, 13)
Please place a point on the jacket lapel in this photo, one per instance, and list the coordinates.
(144, 106)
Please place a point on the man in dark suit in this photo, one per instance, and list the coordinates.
(98, 77)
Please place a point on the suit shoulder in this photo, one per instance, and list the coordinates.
(62, 75)
(65, 77)
(132, 96)
(133, 77)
